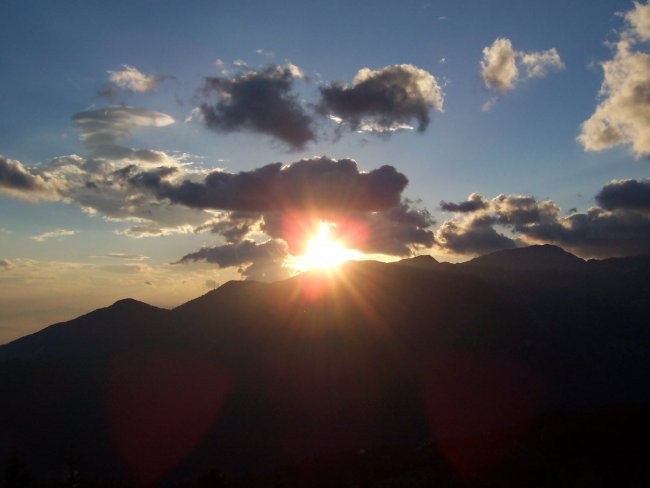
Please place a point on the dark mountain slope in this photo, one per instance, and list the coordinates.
(98, 333)
(252, 376)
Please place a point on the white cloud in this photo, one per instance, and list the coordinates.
(132, 79)
(639, 20)
(623, 114)
(539, 63)
(265, 53)
(498, 67)
(54, 234)
(501, 66)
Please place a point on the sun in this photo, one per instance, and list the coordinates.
(323, 251)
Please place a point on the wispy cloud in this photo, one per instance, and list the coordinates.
(126, 256)
(54, 234)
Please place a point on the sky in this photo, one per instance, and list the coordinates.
(156, 149)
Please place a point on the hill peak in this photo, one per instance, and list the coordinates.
(129, 304)
(543, 256)
(421, 261)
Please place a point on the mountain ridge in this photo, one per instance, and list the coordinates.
(258, 375)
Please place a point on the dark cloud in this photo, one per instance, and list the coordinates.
(596, 233)
(13, 175)
(519, 210)
(321, 185)
(18, 181)
(476, 236)
(234, 226)
(239, 254)
(620, 228)
(398, 231)
(473, 203)
(260, 261)
(259, 101)
(625, 194)
(383, 100)
(366, 208)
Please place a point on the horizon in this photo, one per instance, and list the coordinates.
(330, 274)
(157, 157)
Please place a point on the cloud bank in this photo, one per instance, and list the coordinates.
(286, 203)
(620, 226)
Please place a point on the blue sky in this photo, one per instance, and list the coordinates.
(67, 249)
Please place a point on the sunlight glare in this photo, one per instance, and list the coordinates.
(324, 252)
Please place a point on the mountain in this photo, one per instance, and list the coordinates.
(462, 375)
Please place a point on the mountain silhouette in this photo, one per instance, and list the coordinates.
(514, 366)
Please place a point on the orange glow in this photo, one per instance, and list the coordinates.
(324, 251)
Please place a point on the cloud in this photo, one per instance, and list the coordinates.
(633, 195)
(639, 20)
(620, 227)
(258, 101)
(102, 129)
(473, 203)
(259, 261)
(501, 66)
(623, 114)
(132, 79)
(265, 53)
(287, 201)
(520, 210)
(383, 100)
(54, 234)
(126, 256)
(498, 67)
(538, 64)
(596, 233)
(6, 264)
(474, 236)
(18, 181)
(398, 231)
(322, 185)
(232, 226)
(98, 184)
